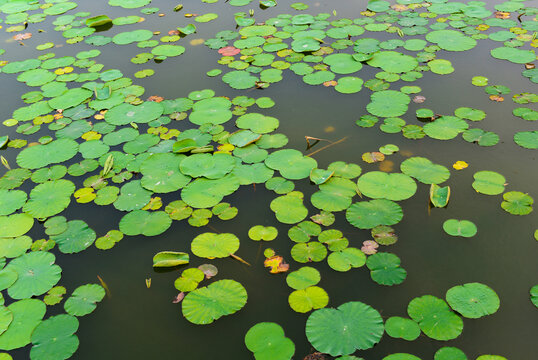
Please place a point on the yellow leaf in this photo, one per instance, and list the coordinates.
(277, 264)
(85, 195)
(91, 135)
(460, 165)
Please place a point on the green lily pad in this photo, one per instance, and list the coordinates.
(132, 197)
(304, 300)
(55, 338)
(14, 247)
(49, 198)
(83, 300)
(207, 304)
(335, 194)
(189, 279)
(402, 328)
(449, 353)
(445, 127)
(38, 156)
(27, 314)
(439, 195)
(70, 98)
(463, 228)
(210, 166)
(140, 222)
(514, 55)
(341, 331)
(310, 251)
(204, 193)
(393, 62)
(517, 203)
(435, 318)
(211, 245)
(388, 103)
(76, 238)
(473, 300)
(289, 208)
(489, 182)
(303, 278)
(11, 200)
(534, 295)
(291, 164)
(15, 225)
(381, 185)
(346, 259)
(451, 40)
(259, 232)
(268, 342)
(37, 274)
(527, 139)
(424, 170)
(385, 269)
(161, 173)
(170, 259)
(369, 214)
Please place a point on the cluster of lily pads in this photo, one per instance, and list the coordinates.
(93, 139)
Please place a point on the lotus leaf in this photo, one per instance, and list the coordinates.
(303, 231)
(489, 182)
(352, 326)
(259, 232)
(15, 225)
(385, 269)
(214, 166)
(76, 238)
(161, 173)
(129, 4)
(304, 300)
(11, 200)
(424, 170)
(204, 193)
(439, 196)
(268, 342)
(124, 114)
(335, 194)
(435, 318)
(342, 63)
(517, 203)
(445, 127)
(170, 259)
(55, 338)
(441, 66)
(70, 98)
(213, 110)
(83, 300)
(37, 274)
(393, 61)
(211, 245)
(132, 197)
(168, 50)
(27, 314)
(534, 295)
(14, 247)
(481, 137)
(189, 279)
(514, 55)
(303, 278)
(369, 214)
(257, 123)
(39, 156)
(289, 208)
(377, 184)
(349, 85)
(205, 305)
(310, 251)
(129, 37)
(401, 356)
(399, 327)
(527, 139)
(345, 170)
(346, 259)
(49, 198)
(473, 300)
(141, 222)
(388, 103)
(463, 228)
(451, 40)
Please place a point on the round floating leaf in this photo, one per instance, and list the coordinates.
(349, 85)
(14, 247)
(10, 201)
(463, 228)
(211, 245)
(70, 98)
(140, 222)
(435, 318)
(388, 103)
(527, 139)
(291, 163)
(132, 197)
(451, 40)
(346, 259)
(124, 113)
(352, 326)
(534, 295)
(204, 193)
(385, 269)
(15, 225)
(306, 252)
(303, 278)
(393, 61)
(259, 232)
(189, 279)
(55, 338)
(170, 259)
(334, 195)
(267, 341)
(211, 166)
(402, 328)
(441, 66)
(381, 185)
(36, 272)
(401, 356)
(517, 203)
(470, 114)
(76, 238)
(304, 300)
(445, 127)
(49, 198)
(6, 317)
(38, 156)
(168, 50)
(207, 304)
(489, 182)
(369, 214)
(514, 55)
(289, 208)
(83, 300)
(162, 174)
(27, 314)
(424, 170)
(473, 300)
(449, 353)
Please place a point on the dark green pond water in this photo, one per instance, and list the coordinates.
(141, 323)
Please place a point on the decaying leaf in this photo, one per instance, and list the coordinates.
(460, 165)
(369, 247)
(277, 264)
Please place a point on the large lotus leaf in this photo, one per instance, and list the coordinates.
(129, 4)
(258, 30)
(211, 166)
(473, 300)
(204, 193)
(306, 44)
(527, 139)
(435, 318)
(291, 164)
(289, 208)
(515, 55)
(211, 245)
(15, 225)
(303, 278)
(463, 228)
(268, 342)
(489, 182)
(207, 304)
(141, 222)
(393, 61)
(381, 185)
(385, 269)
(304, 300)
(168, 50)
(27, 314)
(449, 353)
(306, 252)
(70, 98)
(14, 247)
(36, 77)
(352, 326)
(14, 178)
(334, 195)
(26, 113)
(257, 123)
(342, 63)
(38, 156)
(445, 127)
(161, 173)
(388, 103)
(369, 214)
(346, 259)
(399, 327)
(49, 198)
(303, 231)
(214, 110)
(132, 197)
(55, 338)
(36, 272)
(124, 114)
(6, 317)
(78, 237)
(424, 170)
(18, 66)
(240, 79)
(451, 40)
(128, 37)
(517, 203)
(83, 300)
